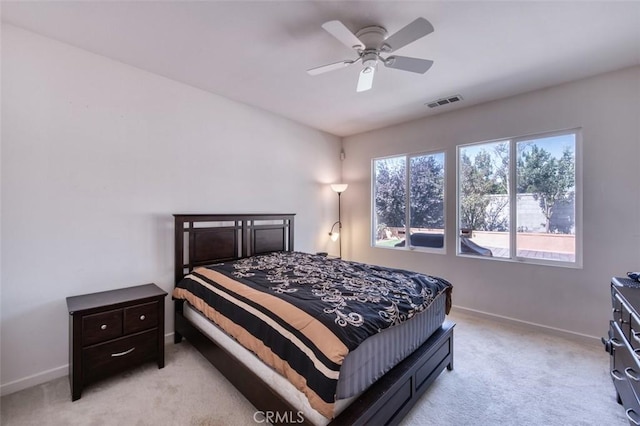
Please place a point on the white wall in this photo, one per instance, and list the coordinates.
(97, 155)
(607, 108)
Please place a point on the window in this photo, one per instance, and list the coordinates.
(518, 199)
(408, 200)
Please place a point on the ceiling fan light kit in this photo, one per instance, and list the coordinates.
(370, 42)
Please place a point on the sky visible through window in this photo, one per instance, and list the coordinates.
(555, 145)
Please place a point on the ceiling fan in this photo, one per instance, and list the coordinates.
(370, 43)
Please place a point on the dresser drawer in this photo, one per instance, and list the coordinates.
(634, 331)
(622, 314)
(140, 317)
(104, 359)
(616, 302)
(101, 327)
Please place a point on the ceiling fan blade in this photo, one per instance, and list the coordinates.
(408, 64)
(412, 32)
(365, 81)
(329, 67)
(342, 33)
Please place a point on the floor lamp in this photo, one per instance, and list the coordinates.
(338, 188)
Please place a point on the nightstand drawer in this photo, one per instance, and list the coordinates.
(140, 317)
(101, 327)
(107, 358)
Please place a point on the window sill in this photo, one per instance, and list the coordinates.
(414, 249)
(525, 261)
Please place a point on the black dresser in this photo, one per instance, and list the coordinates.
(624, 345)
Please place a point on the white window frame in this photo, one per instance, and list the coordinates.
(408, 245)
(513, 256)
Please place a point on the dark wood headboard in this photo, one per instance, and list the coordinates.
(203, 239)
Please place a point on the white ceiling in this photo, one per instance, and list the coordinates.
(258, 52)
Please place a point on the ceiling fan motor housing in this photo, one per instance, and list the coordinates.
(372, 37)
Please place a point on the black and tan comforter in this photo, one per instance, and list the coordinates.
(302, 314)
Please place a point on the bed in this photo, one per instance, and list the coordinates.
(217, 255)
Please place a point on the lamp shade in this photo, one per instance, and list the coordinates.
(334, 236)
(339, 187)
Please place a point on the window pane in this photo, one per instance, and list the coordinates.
(389, 194)
(484, 199)
(546, 198)
(426, 195)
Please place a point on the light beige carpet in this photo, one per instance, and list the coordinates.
(503, 375)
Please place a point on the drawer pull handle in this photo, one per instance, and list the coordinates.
(632, 374)
(635, 335)
(142, 317)
(631, 419)
(622, 304)
(124, 353)
(616, 343)
(614, 374)
(103, 327)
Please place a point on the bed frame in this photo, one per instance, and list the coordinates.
(202, 239)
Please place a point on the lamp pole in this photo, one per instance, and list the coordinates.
(339, 188)
(339, 227)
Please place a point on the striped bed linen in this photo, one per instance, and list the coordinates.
(302, 314)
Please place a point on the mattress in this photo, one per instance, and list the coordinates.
(361, 367)
(380, 352)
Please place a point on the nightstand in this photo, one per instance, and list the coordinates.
(112, 331)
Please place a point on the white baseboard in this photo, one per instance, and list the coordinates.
(567, 334)
(34, 380)
(46, 376)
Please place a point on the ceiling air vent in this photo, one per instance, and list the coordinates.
(444, 101)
